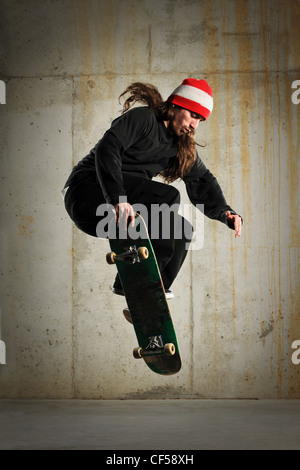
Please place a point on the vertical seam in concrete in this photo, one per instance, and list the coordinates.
(73, 263)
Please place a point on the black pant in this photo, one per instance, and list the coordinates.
(83, 199)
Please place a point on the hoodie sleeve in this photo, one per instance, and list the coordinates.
(108, 162)
(203, 189)
(123, 133)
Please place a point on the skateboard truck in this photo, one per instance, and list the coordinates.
(155, 346)
(131, 255)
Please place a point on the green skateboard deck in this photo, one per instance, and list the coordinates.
(143, 288)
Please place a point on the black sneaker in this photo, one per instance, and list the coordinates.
(117, 287)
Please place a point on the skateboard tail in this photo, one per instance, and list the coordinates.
(159, 366)
(159, 361)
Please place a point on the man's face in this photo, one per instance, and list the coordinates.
(184, 121)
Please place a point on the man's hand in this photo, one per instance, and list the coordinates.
(124, 214)
(236, 221)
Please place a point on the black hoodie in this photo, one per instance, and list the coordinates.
(139, 143)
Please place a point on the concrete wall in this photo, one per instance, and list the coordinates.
(64, 63)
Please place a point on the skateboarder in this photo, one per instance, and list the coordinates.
(146, 141)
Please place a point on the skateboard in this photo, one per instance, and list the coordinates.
(137, 266)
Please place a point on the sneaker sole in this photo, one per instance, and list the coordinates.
(127, 315)
(118, 291)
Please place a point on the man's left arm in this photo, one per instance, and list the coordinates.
(203, 189)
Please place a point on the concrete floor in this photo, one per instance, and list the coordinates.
(149, 424)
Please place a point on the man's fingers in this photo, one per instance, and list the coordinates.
(123, 219)
(131, 216)
(237, 223)
(124, 215)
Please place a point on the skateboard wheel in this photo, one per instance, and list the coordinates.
(137, 353)
(110, 257)
(143, 252)
(169, 349)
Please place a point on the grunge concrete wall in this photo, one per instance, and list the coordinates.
(64, 63)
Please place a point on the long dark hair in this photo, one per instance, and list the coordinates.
(149, 95)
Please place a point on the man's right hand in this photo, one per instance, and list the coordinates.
(124, 214)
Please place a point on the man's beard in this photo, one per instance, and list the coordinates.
(172, 130)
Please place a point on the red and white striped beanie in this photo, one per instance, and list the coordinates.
(194, 95)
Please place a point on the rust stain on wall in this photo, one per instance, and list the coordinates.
(97, 25)
(228, 142)
(24, 226)
(84, 34)
(130, 47)
(245, 112)
(149, 49)
(292, 158)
